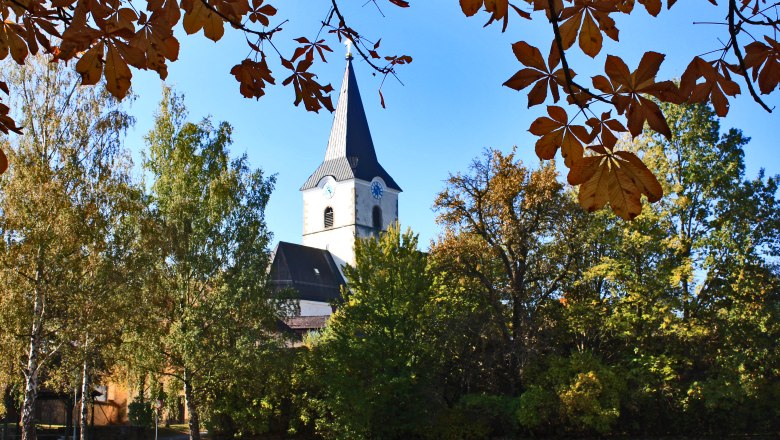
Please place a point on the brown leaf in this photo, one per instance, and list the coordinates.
(117, 73)
(3, 161)
(252, 76)
(653, 6)
(470, 7)
(764, 59)
(715, 87)
(556, 132)
(590, 37)
(90, 66)
(569, 30)
(620, 179)
(628, 90)
(197, 17)
(537, 72)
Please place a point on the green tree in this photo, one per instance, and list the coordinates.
(212, 303)
(374, 361)
(514, 234)
(685, 297)
(59, 208)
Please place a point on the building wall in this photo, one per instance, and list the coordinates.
(339, 239)
(314, 308)
(364, 206)
(353, 206)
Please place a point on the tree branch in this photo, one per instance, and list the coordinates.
(383, 70)
(733, 31)
(565, 64)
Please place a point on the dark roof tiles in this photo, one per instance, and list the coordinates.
(311, 272)
(350, 153)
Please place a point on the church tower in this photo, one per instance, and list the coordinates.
(350, 195)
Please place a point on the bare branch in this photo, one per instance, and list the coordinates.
(733, 31)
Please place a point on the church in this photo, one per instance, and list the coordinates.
(348, 197)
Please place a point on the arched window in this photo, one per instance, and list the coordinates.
(376, 218)
(328, 217)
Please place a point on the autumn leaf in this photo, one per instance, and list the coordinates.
(261, 12)
(307, 89)
(309, 46)
(79, 36)
(117, 73)
(197, 16)
(556, 132)
(604, 129)
(3, 161)
(252, 76)
(537, 72)
(764, 59)
(619, 179)
(470, 7)
(586, 20)
(90, 66)
(627, 90)
(653, 7)
(498, 10)
(11, 41)
(6, 123)
(156, 42)
(716, 85)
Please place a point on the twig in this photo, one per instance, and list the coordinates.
(266, 35)
(565, 64)
(733, 31)
(383, 70)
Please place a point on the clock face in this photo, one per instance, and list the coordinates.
(377, 190)
(328, 190)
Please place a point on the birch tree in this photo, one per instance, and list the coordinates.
(211, 254)
(54, 206)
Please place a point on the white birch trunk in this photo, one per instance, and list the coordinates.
(192, 409)
(32, 369)
(85, 392)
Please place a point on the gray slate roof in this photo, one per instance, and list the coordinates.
(310, 271)
(350, 153)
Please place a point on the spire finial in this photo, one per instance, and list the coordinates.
(348, 43)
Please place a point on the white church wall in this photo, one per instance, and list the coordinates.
(365, 202)
(314, 308)
(315, 202)
(339, 241)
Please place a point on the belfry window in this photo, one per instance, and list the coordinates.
(328, 217)
(376, 218)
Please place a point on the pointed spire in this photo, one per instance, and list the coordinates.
(350, 136)
(350, 153)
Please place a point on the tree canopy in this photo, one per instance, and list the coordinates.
(108, 38)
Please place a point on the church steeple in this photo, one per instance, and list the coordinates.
(350, 196)
(350, 153)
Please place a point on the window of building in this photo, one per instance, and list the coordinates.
(376, 217)
(328, 217)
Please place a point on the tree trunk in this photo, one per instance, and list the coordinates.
(85, 393)
(31, 371)
(192, 409)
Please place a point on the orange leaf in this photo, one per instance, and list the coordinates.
(470, 7)
(590, 37)
(537, 72)
(556, 132)
(620, 179)
(90, 66)
(197, 17)
(117, 73)
(628, 90)
(3, 161)
(252, 76)
(569, 30)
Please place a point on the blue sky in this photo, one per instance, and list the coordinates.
(450, 107)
